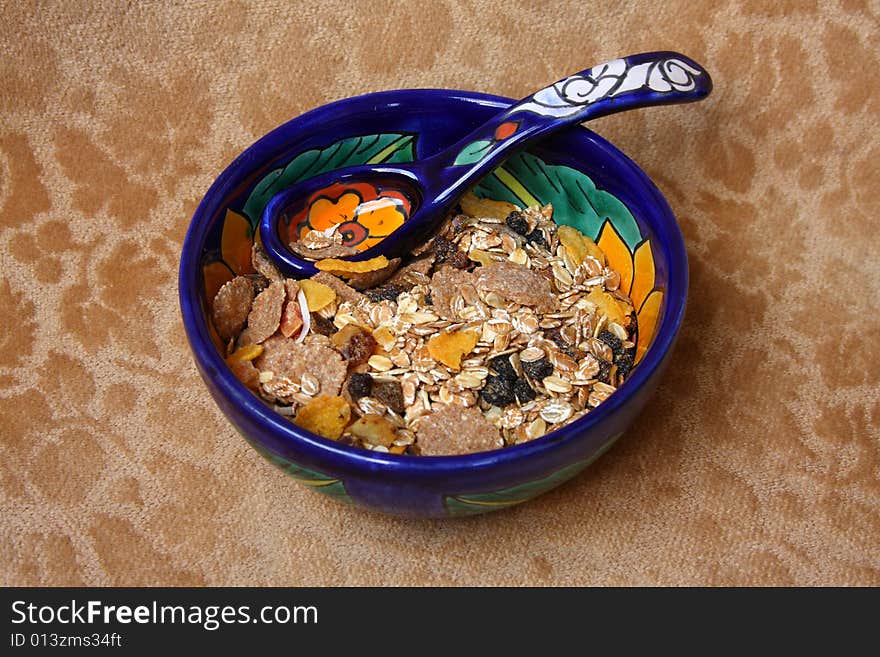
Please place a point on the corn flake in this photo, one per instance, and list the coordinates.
(578, 245)
(449, 348)
(325, 415)
(318, 295)
(484, 207)
(346, 267)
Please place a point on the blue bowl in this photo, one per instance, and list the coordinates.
(592, 186)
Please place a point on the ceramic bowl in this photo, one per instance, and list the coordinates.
(591, 184)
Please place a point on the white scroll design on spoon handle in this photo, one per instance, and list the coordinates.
(613, 78)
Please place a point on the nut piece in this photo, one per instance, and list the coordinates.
(453, 429)
(232, 304)
(519, 284)
(374, 429)
(449, 348)
(325, 415)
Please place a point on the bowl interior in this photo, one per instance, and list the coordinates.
(591, 185)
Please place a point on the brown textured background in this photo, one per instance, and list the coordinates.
(758, 461)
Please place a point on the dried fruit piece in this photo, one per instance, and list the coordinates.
(578, 245)
(291, 318)
(385, 293)
(503, 368)
(517, 283)
(354, 343)
(373, 278)
(245, 372)
(265, 315)
(324, 415)
(389, 393)
(374, 429)
(246, 353)
(537, 238)
(322, 325)
(517, 222)
(484, 207)
(608, 305)
(345, 268)
(456, 430)
(611, 340)
(317, 294)
(449, 348)
(232, 304)
(538, 369)
(360, 385)
(344, 292)
(498, 391)
(523, 391)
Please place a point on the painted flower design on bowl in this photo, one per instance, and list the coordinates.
(362, 213)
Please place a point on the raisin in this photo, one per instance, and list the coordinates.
(537, 238)
(556, 336)
(429, 299)
(391, 394)
(359, 385)
(497, 391)
(359, 348)
(444, 249)
(502, 367)
(386, 293)
(624, 363)
(322, 325)
(523, 391)
(518, 222)
(612, 341)
(604, 371)
(538, 369)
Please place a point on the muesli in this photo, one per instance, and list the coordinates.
(501, 328)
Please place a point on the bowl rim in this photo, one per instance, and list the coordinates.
(349, 458)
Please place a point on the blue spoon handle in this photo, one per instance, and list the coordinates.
(654, 78)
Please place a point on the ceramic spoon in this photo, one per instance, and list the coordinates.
(422, 192)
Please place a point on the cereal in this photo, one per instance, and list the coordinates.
(498, 329)
(263, 264)
(374, 429)
(325, 415)
(449, 348)
(286, 358)
(232, 304)
(344, 292)
(318, 295)
(372, 278)
(519, 284)
(456, 430)
(483, 207)
(446, 285)
(345, 268)
(265, 315)
(578, 245)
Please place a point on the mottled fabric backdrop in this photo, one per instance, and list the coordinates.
(757, 462)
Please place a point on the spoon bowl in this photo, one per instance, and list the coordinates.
(425, 190)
